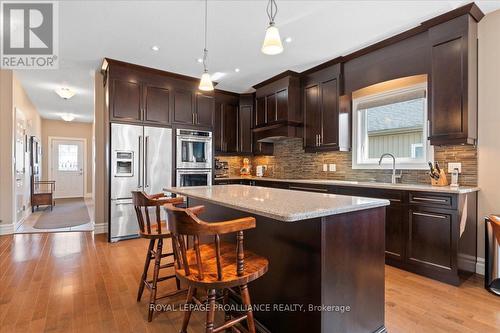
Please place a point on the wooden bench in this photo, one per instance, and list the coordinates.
(43, 198)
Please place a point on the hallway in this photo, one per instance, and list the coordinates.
(67, 215)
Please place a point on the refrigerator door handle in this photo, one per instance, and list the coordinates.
(146, 162)
(139, 163)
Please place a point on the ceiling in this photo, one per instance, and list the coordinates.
(126, 30)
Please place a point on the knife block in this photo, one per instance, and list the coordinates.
(442, 181)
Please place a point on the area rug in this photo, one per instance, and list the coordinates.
(66, 213)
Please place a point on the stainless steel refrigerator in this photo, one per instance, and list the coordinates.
(141, 159)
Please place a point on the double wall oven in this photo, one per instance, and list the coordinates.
(193, 158)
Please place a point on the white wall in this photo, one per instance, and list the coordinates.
(489, 121)
(6, 151)
(12, 96)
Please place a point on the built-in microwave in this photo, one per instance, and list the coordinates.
(194, 149)
(194, 178)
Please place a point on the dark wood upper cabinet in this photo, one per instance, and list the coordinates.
(312, 115)
(205, 105)
(230, 122)
(183, 107)
(271, 108)
(260, 112)
(156, 105)
(218, 143)
(245, 129)
(245, 123)
(453, 82)
(226, 122)
(126, 100)
(282, 105)
(326, 122)
(278, 100)
(330, 122)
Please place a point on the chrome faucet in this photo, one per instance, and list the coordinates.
(394, 177)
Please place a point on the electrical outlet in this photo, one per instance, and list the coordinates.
(332, 167)
(325, 167)
(453, 166)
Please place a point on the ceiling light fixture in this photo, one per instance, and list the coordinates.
(272, 42)
(205, 81)
(288, 39)
(237, 70)
(67, 116)
(200, 60)
(65, 93)
(155, 48)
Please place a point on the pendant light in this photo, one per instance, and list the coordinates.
(272, 42)
(205, 81)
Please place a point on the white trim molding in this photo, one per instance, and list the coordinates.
(480, 266)
(7, 229)
(100, 228)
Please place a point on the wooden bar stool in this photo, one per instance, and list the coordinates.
(157, 232)
(214, 266)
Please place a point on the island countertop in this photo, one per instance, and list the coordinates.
(278, 204)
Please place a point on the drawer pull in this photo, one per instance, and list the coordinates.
(430, 215)
(308, 189)
(394, 200)
(430, 200)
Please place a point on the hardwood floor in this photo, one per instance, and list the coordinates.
(75, 282)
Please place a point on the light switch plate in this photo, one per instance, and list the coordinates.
(325, 167)
(332, 167)
(453, 166)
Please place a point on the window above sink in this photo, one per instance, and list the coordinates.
(391, 118)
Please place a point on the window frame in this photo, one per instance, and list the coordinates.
(360, 135)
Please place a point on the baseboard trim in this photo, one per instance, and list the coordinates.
(100, 228)
(480, 266)
(7, 229)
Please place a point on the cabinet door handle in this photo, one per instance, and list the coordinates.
(320, 139)
(430, 215)
(429, 199)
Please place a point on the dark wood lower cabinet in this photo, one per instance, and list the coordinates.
(423, 230)
(430, 240)
(394, 232)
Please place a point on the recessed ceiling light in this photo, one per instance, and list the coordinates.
(237, 70)
(199, 60)
(288, 39)
(67, 116)
(65, 93)
(155, 48)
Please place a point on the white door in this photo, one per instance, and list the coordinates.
(67, 167)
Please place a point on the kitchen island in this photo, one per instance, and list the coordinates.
(325, 252)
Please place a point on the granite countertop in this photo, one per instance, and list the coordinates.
(406, 187)
(278, 204)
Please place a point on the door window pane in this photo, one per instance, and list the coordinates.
(68, 158)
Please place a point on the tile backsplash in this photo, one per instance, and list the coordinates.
(291, 161)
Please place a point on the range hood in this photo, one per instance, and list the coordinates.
(277, 108)
(277, 131)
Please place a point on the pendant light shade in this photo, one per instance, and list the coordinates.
(206, 82)
(272, 42)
